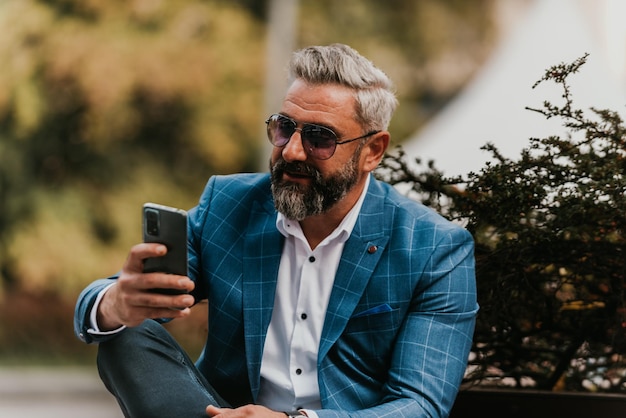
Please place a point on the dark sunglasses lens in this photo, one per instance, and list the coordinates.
(280, 129)
(318, 141)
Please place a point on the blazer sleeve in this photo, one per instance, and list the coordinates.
(83, 308)
(431, 353)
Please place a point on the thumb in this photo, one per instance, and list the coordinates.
(213, 410)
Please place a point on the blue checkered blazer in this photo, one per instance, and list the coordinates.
(400, 317)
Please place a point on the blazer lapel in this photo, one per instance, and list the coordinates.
(262, 251)
(358, 261)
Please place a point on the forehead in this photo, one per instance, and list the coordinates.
(326, 104)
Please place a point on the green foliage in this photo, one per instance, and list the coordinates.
(99, 100)
(550, 238)
(105, 105)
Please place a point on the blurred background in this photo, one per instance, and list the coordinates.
(107, 104)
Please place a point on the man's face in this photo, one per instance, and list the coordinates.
(303, 186)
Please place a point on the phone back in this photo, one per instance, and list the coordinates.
(168, 226)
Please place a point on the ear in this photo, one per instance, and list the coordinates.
(374, 150)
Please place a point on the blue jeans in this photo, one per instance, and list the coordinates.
(151, 376)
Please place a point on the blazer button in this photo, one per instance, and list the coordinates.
(372, 249)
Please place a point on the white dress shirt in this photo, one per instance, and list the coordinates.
(305, 280)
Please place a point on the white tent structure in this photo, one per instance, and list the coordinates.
(492, 107)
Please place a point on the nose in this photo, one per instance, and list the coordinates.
(294, 149)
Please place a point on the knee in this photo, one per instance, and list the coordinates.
(130, 342)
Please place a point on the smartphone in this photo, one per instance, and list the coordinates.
(166, 225)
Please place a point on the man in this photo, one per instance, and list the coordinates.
(329, 293)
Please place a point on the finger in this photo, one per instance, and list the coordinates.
(139, 315)
(166, 313)
(159, 301)
(138, 253)
(148, 281)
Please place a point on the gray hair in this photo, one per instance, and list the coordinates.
(340, 64)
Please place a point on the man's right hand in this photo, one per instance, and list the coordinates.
(131, 300)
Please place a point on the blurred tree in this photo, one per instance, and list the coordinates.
(430, 48)
(550, 232)
(99, 96)
(106, 104)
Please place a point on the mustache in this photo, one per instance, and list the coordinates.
(297, 167)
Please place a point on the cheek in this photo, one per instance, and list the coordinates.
(276, 154)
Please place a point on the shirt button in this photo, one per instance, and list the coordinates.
(312, 259)
(304, 316)
(298, 372)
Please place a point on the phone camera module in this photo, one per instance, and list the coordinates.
(152, 222)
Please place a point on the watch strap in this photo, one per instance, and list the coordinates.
(294, 413)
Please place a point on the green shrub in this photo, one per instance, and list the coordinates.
(550, 249)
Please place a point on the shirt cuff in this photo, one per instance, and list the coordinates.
(93, 321)
(309, 413)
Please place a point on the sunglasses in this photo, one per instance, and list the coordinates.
(318, 141)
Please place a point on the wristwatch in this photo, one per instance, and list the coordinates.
(294, 413)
